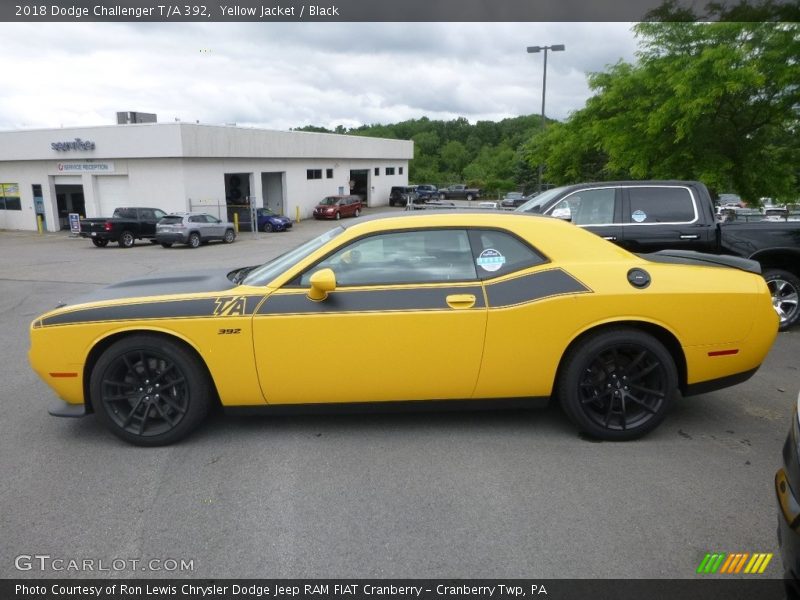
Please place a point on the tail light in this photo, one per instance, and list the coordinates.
(108, 226)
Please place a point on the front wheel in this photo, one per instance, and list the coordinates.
(617, 384)
(126, 240)
(194, 240)
(358, 212)
(784, 288)
(149, 390)
(100, 243)
(267, 227)
(442, 197)
(338, 216)
(469, 197)
(229, 236)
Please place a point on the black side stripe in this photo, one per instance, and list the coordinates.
(368, 301)
(221, 306)
(533, 287)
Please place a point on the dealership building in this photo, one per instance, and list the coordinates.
(221, 170)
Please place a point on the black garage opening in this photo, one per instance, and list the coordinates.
(359, 180)
(69, 198)
(237, 199)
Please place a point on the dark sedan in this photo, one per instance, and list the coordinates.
(270, 221)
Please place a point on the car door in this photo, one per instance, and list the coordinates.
(663, 216)
(406, 322)
(147, 221)
(596, 209)
(216, 228)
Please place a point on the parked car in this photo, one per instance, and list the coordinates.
(459, 191)
(125, 226)
(193, 229)
(336, 207)
(513, 199)
(787, 491)
(271, 221)
(426, 191)
(646, 216)
(401, 195)
(616, 334)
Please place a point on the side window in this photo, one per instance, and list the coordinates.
(197, 219)
(160, 214)
(401, 257)
(661, 205)
(147, 214)
(498, 253)
(210, 219)
(587, 207)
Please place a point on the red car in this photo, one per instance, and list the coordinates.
(336, 207)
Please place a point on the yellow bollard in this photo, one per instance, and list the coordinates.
(297, 214)
(236, 222)
(39, 224)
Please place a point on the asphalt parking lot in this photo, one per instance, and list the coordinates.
(470, 494)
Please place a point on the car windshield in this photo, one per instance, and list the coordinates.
(535, 204)
(265, 212)
(329, 201)
(268, 271)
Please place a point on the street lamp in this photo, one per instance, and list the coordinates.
(533, 50)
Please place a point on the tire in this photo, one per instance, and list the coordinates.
(442, 197)
(470, 197)
(149, 391)
(100, 243)
(784, 288)
(166, 244)
(267, 227)
(229, 236)
(358, 212)
(617, 384)
(338, 216)
(126, 240)
(194, 240)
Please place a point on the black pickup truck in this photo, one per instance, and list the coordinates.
(459, 192)
(125, 226)
(647, 216)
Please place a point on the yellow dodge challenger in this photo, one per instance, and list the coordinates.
(442, 306)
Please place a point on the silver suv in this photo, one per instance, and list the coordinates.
(193, 229)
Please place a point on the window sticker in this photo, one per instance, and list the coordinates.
(639, 216)
(491, 260)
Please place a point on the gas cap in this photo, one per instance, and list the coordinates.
(639, 278)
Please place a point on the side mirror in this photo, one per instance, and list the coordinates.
(322, 283)
(562, 213)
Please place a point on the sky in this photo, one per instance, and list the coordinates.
(285, 75)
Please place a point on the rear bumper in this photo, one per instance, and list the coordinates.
(703, 387)
(59, 408)
(171, 238)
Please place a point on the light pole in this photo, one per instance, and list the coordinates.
(533, 50)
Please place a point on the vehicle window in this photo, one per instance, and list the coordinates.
(498, 253)
(171, 220)
(197, 219)
(147, 214)
(160, 214)
(587, 207)
(210, 219)
(329, 201)
(661, 205)
(270, 270)
(125, 213)
(535, 204)
(433, 255)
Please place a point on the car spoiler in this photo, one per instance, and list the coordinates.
(691, 257)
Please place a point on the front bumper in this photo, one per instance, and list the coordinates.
(322, 215)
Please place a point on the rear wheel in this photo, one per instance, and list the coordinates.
(126, 240)
(194, 240)
(617, 384)
(784, 287)
(100, 243)
(229, 236)
(149, 390)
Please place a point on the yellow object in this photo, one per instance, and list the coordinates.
(39, 224)
(297, 214)
(503, 334)
(236, 222)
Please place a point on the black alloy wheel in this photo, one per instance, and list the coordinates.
(194, 240)
(229, 236)
(149, 390)
(617, 384)
(126, 240)
(784, 288)
(267, 227)
(100, 243)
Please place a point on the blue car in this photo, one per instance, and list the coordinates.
(270, 221)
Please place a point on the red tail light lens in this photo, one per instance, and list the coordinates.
(108, 226)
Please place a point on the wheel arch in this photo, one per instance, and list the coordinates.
(787, 259)
(663, 335)
(102, 344)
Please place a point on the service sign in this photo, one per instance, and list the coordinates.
(85, 167)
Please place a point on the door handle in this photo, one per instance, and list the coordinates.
(461, 301)
(610, 238)
(690, 237)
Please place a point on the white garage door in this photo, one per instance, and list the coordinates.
(113, 193)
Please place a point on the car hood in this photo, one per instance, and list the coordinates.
(183, 283)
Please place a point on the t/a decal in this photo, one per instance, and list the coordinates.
(230, 306)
